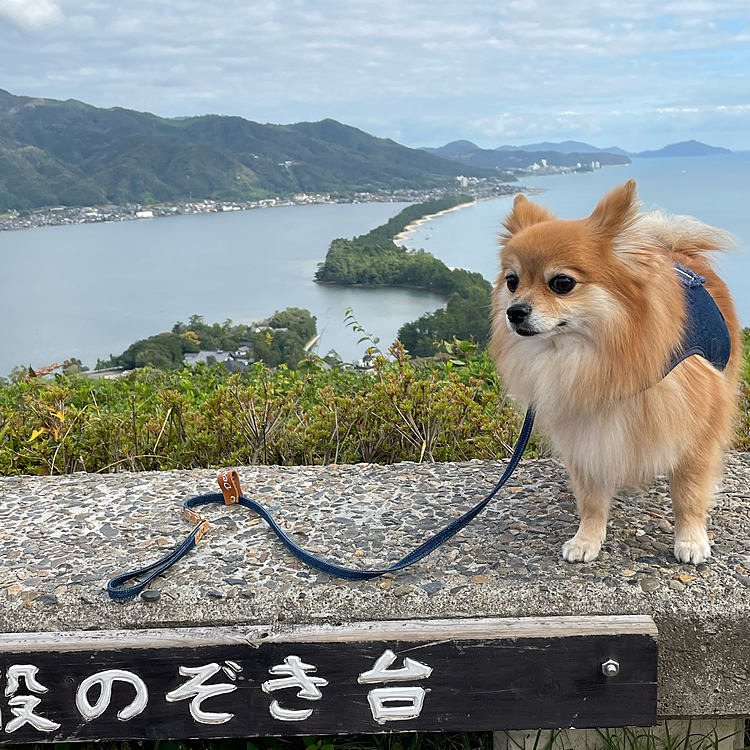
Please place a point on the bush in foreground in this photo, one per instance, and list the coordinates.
(451, 410)
(155, 419)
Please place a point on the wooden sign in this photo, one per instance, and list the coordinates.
(432, 675)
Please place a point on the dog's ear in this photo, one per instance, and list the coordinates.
(616, 211)
(524, 214)
(615, 220)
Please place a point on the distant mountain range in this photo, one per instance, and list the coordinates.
(73, 154)
(469, 153)
(685, 148)
(565, 147)
(70, 153)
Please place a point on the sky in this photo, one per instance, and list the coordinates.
(635, 74)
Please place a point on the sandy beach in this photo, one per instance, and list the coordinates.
(400, 238)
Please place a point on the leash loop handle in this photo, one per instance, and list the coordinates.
(119, 591)
(116, 587)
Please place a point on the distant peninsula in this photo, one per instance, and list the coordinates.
(566, 147)
(374, 259)
(685, 148)
(562, 156)
(523, 162)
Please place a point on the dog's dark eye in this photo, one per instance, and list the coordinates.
(562, 284)
(512, 281)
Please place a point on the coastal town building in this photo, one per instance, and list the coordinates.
(239, 360)
(478, 188)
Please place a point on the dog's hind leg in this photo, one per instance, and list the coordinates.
(692, 485)
(593, 508)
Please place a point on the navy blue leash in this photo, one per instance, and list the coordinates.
(117, 589)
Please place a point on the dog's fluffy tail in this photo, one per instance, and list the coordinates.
(684, 235)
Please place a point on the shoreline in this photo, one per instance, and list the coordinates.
(410, 287)
(409, 228)
(109, 214)
(114, 214)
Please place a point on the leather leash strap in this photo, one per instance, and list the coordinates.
(231, 493)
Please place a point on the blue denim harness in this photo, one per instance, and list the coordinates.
(706, 331)
(706, 334)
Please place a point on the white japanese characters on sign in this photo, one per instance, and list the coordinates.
(22, 706)
(395, 703)
(389, 703)
(196, 689)
(104, 680)
(297, 671)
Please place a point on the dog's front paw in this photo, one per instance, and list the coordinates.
(693, 548)
(579, 549)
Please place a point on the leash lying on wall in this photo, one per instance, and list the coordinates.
(231, 494)
(706, 334)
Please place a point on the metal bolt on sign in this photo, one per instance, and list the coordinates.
(611, 668)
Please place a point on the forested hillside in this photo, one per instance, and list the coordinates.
(70, 153)
(278, 340)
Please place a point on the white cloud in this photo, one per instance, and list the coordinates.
(426, 72)
(31, 15)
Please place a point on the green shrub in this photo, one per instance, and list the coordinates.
(452, 409)
(165, 419)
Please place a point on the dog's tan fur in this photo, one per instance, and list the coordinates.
(594, 369)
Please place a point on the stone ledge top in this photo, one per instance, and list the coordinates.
(64, 537)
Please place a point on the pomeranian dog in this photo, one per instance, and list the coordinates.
(587, 316)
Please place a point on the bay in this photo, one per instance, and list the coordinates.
(715, 189)
(90, 290)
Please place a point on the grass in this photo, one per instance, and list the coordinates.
(159, 420)
(391, 741)
(662, 737)
(629, 738)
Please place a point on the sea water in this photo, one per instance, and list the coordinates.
(714, 189)
(91, 290)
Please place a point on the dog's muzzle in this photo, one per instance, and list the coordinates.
(518, 316)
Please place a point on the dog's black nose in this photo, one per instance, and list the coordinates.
(518, 313)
